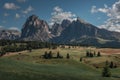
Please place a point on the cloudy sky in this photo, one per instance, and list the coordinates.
(101, 13)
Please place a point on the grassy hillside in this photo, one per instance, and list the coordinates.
(29, 66)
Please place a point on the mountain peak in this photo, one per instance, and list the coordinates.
(33, 17)
(80, 20)
(35, 29)
(65, 23)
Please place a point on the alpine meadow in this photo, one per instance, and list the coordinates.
(60, 40)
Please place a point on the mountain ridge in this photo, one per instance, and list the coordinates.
(77, 31)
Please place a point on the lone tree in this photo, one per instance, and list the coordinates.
(111, 64)
(106, 71)
(87, 54)
(46, 55)
(68, 56)
(50, 55)
(98, 54)
(94, 53)
(81, 59)
(58, 55)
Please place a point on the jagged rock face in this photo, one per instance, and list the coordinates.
(58, 28)
(75, 31)
(35, 29)
(9, 34)
(65, 23)
(78, 31)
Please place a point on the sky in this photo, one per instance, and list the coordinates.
(101, 13)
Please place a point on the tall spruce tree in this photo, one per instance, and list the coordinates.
(106, 70)
(98, 54)
(68, 56)
(111, 64)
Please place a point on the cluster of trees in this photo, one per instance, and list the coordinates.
(111, 64)
(106, 70)
(16, 46)
(90, 54)
(49, 55)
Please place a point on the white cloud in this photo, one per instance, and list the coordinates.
(17, 16)
(6, 14)
(13, 28)
(11, 6)
(104, 10)
(93, 9)
(58, 9)
(113, 12)
(59, 15)
(29, 9)
(21, 1)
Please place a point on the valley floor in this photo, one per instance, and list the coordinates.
(27, 65)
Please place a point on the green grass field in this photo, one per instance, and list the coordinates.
(29, 66)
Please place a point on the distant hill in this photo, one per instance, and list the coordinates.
(9, 34)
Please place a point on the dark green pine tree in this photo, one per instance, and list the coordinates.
(106, 71)
(68, 56)
(58, 55)
(98, 54)
(87, 54)
(50, 55)
(81, 59)
(111, 64)
(46, 55)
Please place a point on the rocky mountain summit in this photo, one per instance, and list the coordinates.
(58, 28)
(80, 31)
(35, 29)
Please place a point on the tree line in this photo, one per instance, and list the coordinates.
(90, 54)
(16, 46)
